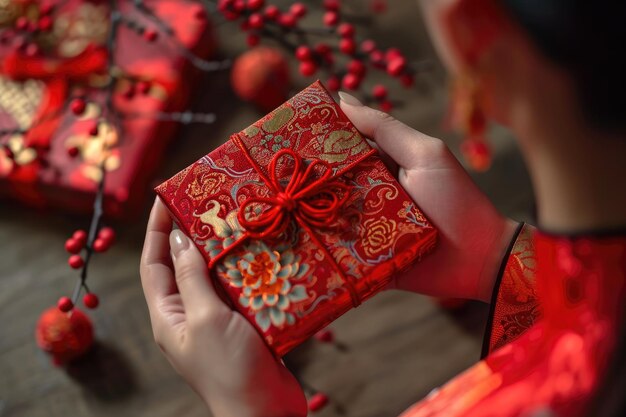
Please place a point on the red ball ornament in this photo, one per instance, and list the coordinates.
(78, 106)
(308, 68)
(351, 81)
(150, 35)
(317, 402)
(299, 10)
(272, 12)
(64, 336)
(331, 18)
(90, 300)
(107, 234)
(75, 262)
(73, 246)
(65, 304)
(262, 77)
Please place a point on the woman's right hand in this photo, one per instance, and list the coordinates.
(473, 236)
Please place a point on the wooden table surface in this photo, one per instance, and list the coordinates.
(394, 349)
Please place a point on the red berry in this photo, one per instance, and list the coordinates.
(107, 233)
(46, 8)
(322, 49)
(351, 81)
(256, 21)
(45, 23)
(346, 30)
(325, 336)
(65, 304)
(317, 401)
(144, 87)
(223, 5)
(255, 4)
(81, 236)
(31, 49)
(303, 53)
(357, 67)
(386, 106)
(93, 129)
(298, 10)
(396, 66)
(21, 23)
(150, 35)
(239, 6)
(393, 53)
(333, 83)
(288, 20)
(73, 151)
(101, 245)
(331, 5)
(90, 300)
(308, 68)
(272, 12)
(368, 46)
(407, 80)
(78, 106)
(379, 92)
(377, 58)
(253, 39)
(347, 46)
(331, 18)
(73, 246)
(75, 261)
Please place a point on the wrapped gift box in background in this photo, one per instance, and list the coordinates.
(298, 218)
(54, 157)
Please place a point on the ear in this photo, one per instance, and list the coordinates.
(472, 27)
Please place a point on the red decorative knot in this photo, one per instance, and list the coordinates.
(308, 197)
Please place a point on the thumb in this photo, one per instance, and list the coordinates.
(408, 147)
(192, 278)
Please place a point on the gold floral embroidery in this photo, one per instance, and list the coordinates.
(342, 143)
(20, 100)
(279, 119)
(205, 185)
(378, 234)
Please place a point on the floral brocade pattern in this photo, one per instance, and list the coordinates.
(286, 287)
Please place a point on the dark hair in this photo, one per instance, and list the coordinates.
(588, 39)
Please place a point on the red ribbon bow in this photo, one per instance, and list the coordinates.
(312, 200)
(309, 198)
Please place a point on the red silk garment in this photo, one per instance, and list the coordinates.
(553, 368)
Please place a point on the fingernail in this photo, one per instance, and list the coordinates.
(178, 242)
(349, 99)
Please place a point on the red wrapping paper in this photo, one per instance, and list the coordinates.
(34, 91)
(292, 284)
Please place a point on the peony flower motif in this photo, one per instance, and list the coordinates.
(266, 277)
(378, 235)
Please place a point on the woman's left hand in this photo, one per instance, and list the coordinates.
(215, 349)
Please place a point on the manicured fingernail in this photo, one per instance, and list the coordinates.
(178, 242)
(349, 99)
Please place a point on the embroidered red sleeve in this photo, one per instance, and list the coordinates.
(514, 306)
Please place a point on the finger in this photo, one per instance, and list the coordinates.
(192, 278)
(157, 277)
(408, 147)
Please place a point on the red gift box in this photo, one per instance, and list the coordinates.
(35, 90)
(298, 218)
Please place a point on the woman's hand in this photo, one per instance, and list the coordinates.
(216, 350)
(473, 236)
